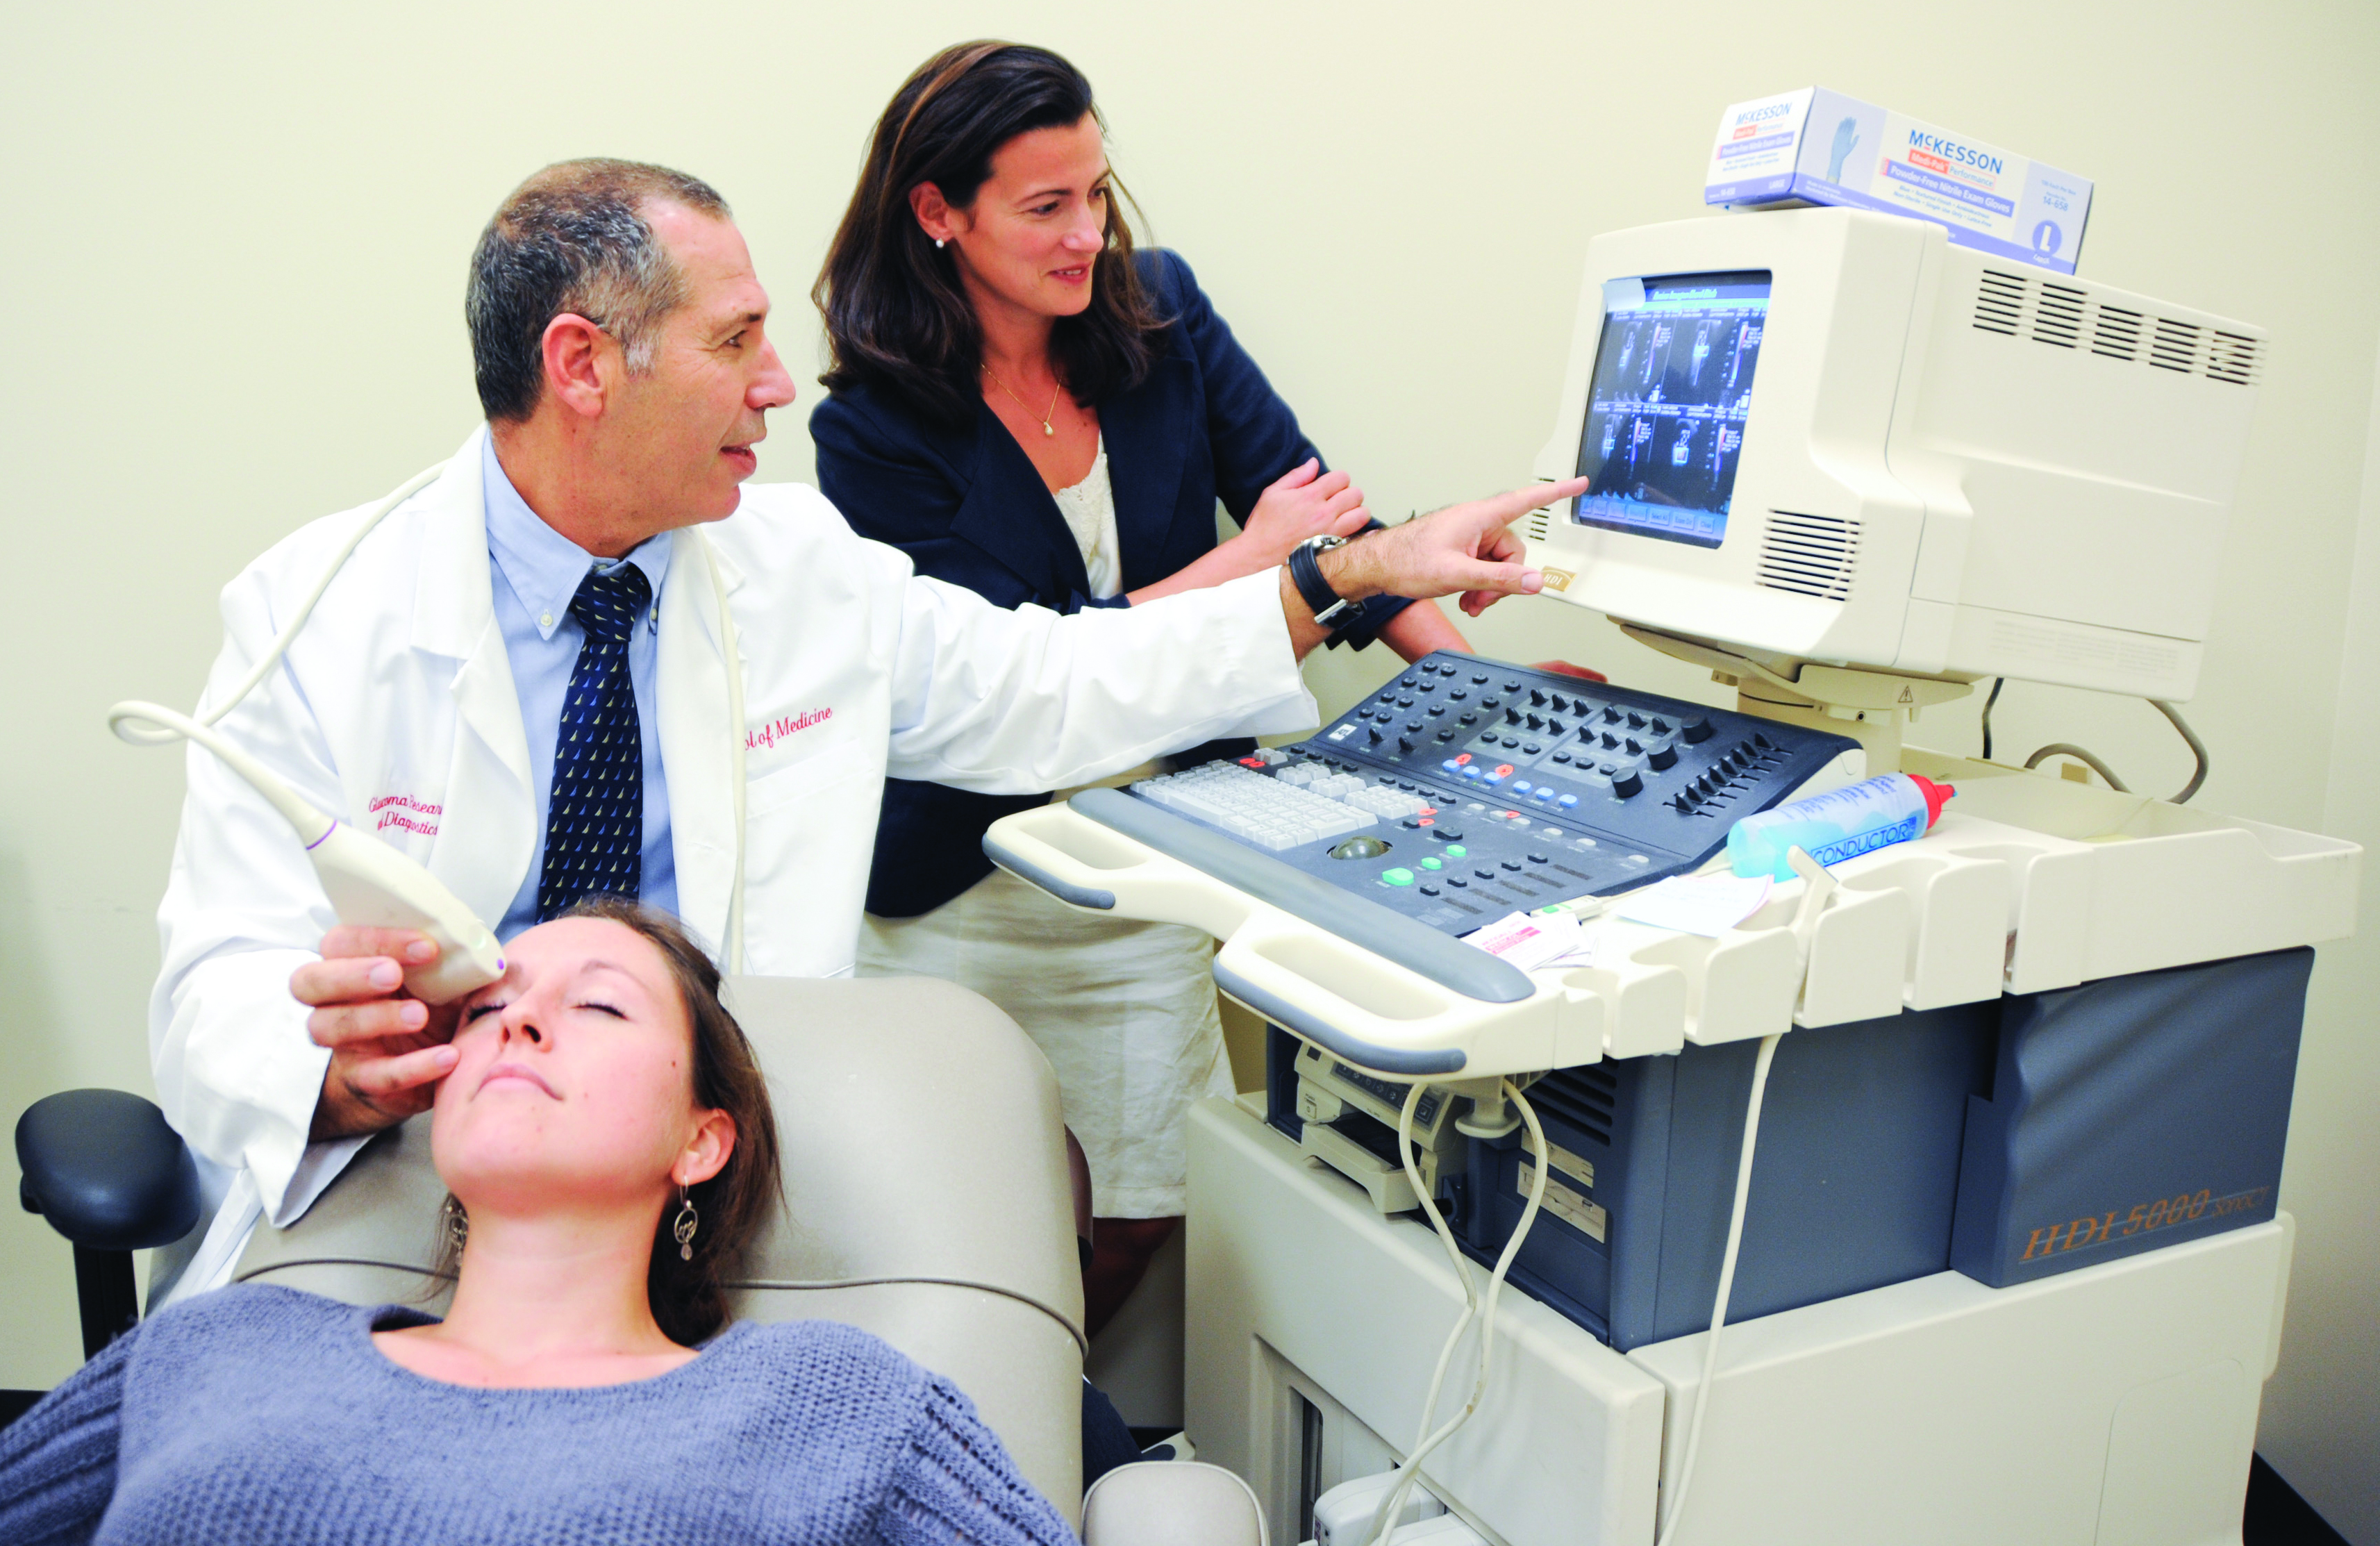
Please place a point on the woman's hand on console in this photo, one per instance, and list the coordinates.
(388, 1049)
(1302, 503)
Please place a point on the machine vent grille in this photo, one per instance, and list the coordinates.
(2000, 301)
(1583, 1097)
(2059, 318)
(1810, 555)
(2233, 359)
(1540, 525)
(2176, 345)
(2117, 333)
(2072, 316)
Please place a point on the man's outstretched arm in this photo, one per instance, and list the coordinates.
(1466, 549)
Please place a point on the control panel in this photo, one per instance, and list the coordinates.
(1466, 788)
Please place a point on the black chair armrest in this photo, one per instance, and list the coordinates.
(106, 1170)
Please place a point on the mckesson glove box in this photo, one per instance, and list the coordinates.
(1819, 147)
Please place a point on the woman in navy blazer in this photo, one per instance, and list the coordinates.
(1030, 409)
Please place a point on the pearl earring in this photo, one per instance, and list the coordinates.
(938, 242)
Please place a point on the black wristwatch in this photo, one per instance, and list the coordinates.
(1331, 609)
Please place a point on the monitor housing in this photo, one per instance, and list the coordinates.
(1857, 468)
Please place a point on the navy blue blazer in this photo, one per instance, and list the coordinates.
(968, 507)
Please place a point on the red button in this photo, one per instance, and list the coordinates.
(1429, 821)
(1464, 758)
(1503, 769)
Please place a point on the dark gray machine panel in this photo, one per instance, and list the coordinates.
(1537, 788)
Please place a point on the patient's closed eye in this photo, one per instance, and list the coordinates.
(479, 1009)
(605, 1008)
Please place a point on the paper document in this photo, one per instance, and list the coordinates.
(1705, 905)
(1537, 941)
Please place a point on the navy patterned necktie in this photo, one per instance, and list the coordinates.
(595, 821)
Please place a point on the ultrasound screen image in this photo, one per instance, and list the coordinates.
(1666, 413)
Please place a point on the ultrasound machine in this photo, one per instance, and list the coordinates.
(1933, 1201)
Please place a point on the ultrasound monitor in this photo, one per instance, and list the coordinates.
(1673, 385)
(1829, 437)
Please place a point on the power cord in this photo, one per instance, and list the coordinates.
(1393, 1504)
(2068, 749)
(2190, 737)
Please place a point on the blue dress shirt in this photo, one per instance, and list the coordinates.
(535, 571)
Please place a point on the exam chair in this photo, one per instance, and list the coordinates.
(928, 1202)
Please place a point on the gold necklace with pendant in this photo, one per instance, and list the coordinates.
(1045, 416)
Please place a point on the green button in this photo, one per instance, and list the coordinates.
(1433, 863)
(1397, 877)
(1456, 851)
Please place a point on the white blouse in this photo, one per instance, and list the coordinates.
(1089, 509)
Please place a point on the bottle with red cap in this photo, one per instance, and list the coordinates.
(1841, 824)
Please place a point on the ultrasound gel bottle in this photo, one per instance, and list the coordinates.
(1843, 823)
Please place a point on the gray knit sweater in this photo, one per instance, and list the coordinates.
(265, 1415)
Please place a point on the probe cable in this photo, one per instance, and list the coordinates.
(165, 727)
(271, 657)
(1384, 1522)
(1820, 888)
(1726, 1282)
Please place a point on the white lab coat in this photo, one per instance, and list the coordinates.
(396, 712)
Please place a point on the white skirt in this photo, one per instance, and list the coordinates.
(1124, 1011)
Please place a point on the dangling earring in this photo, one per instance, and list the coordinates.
(939, 241)
(456, 1221)
(688, 1221)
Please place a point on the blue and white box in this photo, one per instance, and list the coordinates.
(1820, 147)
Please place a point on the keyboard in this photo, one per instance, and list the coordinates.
(1467, 788)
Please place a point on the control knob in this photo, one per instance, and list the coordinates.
(1696, 728)
(1611, 714)
(1536, 721)
(1538, 697)
(1627, 783)
(1662, 758)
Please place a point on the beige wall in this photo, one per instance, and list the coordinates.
(233, 289)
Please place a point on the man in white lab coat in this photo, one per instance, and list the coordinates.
(619, 339)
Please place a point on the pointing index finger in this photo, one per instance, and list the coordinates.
(1537, 494)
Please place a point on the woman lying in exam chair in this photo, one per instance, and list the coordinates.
(607, 1139)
